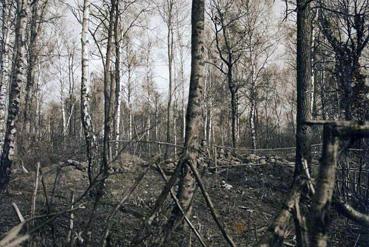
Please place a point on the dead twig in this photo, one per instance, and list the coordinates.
(127, 194)
(210, 204)
(34, 196)
(71, 219)
(18, 212)
(175, 199)
(12, 237)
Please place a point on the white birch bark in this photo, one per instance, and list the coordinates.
(88, 130)
(4, 68)
(17, 81)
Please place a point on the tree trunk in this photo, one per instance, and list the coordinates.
(129, 99)
(194, 119)
(304, 73)
(4, 68)
(35, 26)
(324, 189)
(91, 142)
(118, 95)
(17, 81)
(253, 124)
(304, 88)
(107, 91)
(234, 106)
(170, 68)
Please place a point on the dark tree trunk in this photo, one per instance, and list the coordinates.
(108, 91)
(304, 72)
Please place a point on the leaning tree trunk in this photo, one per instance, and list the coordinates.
(4, 67)
(194, 119)
(91, 143)
(17, 81)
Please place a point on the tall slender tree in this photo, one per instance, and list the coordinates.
(194, 119)
(304, 85)
(91, 142)
(4, 65)
(18, 79)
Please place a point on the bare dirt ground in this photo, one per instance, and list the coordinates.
(246, 197)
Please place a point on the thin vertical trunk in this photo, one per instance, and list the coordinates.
(64, 117)
(156, 118)
(118, 95)
(4, 67)
(304, 76)
(170, 71)
(304, 73)
(107, 90)
(234, 106)
(17, 81)
(253, 124)
(91, 142)
(174, 130)
(129, 89)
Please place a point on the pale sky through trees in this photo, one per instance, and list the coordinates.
(157, 31)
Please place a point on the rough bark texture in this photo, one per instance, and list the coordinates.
(4, 67)
(33, 46)
(194, 119)
(304, 42)
(304, 89)
(275, 234)
(118, 95)
(277, 230)
(351, 213)
(91, 142)
(108, 90)
(324, 189)
(17, 81)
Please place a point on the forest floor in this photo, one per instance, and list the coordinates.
(246, 197)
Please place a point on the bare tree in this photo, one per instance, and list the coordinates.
(91, 142)
(194, 120)
(343, 24)
(36, 23)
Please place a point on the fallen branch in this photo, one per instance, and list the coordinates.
(18, 212)
(12, 237)
(34, 196)
(143, 233)
(211, 205)
(277, 231)
(127, 194)
(351, 213)
(175, 199)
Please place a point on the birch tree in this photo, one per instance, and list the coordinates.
(91, 142)
(4, 65)
(18, 79)
(194, 121)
